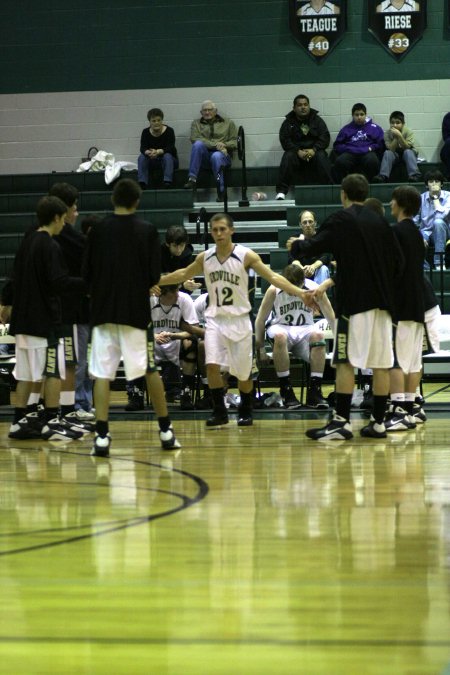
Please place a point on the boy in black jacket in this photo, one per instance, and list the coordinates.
(39, 278)
(122, 263)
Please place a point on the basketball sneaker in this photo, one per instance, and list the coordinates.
(23, 430)
(217, 419)
(101, 446)
(168, 440)
(314, 398)
(418, 414)
(54, 430)
(85, 415)
(337, 429)
(75, 423)
(397, 420)
(290, 401)
(373, 429)
(186, 400)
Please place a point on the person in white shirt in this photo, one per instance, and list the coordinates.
(318, 8)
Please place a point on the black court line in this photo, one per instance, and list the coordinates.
(187, 502)
(248, 642)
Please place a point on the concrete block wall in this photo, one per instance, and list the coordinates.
(82, 75)
(45, 132)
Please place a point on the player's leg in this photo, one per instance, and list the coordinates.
(317, 356)
(282, 364)
(219, 415)
(217, 359)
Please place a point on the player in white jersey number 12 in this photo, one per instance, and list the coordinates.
(228, 335)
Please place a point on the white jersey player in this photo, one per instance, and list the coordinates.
(228, 334)
(168, 312)
(292, 329)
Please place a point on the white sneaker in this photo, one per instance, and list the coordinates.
(168, 440)
(280, 195)
(85, 415)
(101, 446)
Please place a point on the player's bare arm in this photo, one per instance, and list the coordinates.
(253, 260)
(327, 310)
(318, 292)
(192, 329)
(264, 310)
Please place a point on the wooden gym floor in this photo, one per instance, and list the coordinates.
(248, 551)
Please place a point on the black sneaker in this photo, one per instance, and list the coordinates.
(290, 401)
(373, 430)
(190, 185)
(220, 196)
(54, 430)
(101, 446)
(314, 399)
(75, 423)
(337, 429)
(379, 179)
(367, 399)
(186, 401)
(245, 420)
(415, 178)
(397, 420)
(205, 402)
(217, 419)
(135, 402)
(168, 440)
(23, 430)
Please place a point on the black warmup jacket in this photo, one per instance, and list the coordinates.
(39, 278)
(410, 289)
(369, 259)
(75, 309)
(122, 262)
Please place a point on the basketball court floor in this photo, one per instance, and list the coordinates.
(248, 551)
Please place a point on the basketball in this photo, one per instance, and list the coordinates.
(398, 43)
(318, 45)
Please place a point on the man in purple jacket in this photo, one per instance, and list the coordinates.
(358, 146)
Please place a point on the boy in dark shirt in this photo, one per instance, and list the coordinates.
(409, 313)
(39, 277)
(122, 263)
(368, 257)
(75, 310)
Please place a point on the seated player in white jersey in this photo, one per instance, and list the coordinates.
(290, 325)
(174, 346)
(228, 333)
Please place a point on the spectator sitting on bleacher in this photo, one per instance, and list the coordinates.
(291, 327)
(213, 139)
(304, 137)
(158, 150)
(313, 268)
(445, 150)
(400, 147)
(177, 252)
(434, 216)
(358, 146)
